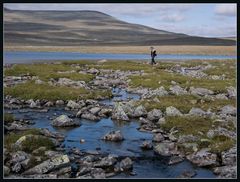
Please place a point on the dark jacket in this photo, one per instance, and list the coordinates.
(153, 53)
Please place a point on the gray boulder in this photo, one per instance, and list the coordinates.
(177, 90)
(140, 111)
(89, 116)
(165, 148)
(172, 111)
(229, 157)
(221, 96)
(59, 102)
(175, 159)
(119, 114)
(154, 115)
(197, 112)
(49, 165)
(228, 110)
(200, 91)
(64, 121)
(147, 145)
(95, 110)
(106, 162)
(126, 164)
(232, 92)
(73, 105)
(187, 138)
(226, 171)
(158, 137)
(203, 158)
(113, 136)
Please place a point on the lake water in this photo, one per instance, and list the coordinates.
(147, 165)
(29, 57)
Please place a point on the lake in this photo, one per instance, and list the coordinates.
(10, 57)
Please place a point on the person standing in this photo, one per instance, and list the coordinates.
(153, 55)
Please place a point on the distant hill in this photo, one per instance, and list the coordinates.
(73, 28)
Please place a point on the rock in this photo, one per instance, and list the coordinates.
(84, 169)
(161, 121)
(147, 145)
(59, 102)
(113, 136)
(172, 111)
(119, 114)
(154, 115)
(93, 71)
(200, 91)
(19, 157)
(71, 83)
(188, 174)
(232, 92)
(165, 148)
(229, 110)
(221, 96)
(73, 105)
(106, 162)
(177, 90)
(40, 150)
(193, 147)
(203, 158)
(98, 173)
(6, 170)
(229, 157)
(16, 167)
(187, 138)
(41, 176)
(219, 131)
(49, 165)
(39, 81)
(226, 171)
(89, 116)
(94, 110)
(197, 112)
(32, 104)
(46, 132)
(175, 159)
(140, 111)
(152, 93)
(158, 137)
(49, 104)
(126, 164)
(105, 112)
(64, 121)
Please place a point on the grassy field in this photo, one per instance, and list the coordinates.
(185, 49)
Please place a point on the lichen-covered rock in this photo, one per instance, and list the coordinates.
(113, 136)
(73, 105)
(106, 162)
(140, 111)
(172, 111)
(49, 165)
(64, 121)
(229, 157)
(232, 92)
(165, 148)
(154, 115)
(203, 158)
(119, 114)
(90, 116)
(226, 171)
(177, 90)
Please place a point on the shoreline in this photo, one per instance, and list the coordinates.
(189, 49)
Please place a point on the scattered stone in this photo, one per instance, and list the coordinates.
(126, 164)
(226, 171)
(140, 111)
(73, 105)
(154, 115)
(158, 137)
(89, 116)
(203, 158)
(165, 148)
(172, 111)
(113, 136)
(187, 138)
(177, 90)
(119, 114)
(59, 102)
(94, 110)
(229, 110)
(229, 157)
(197, 112)
(200, 91)
(175, 159)
(147, 145)
(106, 162)
(64, 121)
(232, 92)
(221, 96)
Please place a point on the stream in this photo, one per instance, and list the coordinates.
(147, 165)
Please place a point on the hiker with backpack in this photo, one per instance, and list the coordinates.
(153, 55)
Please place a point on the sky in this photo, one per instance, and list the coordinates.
(208, 20)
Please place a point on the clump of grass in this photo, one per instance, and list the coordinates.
(30, 90)
(8, 118)
(47, 71)
(221, 143)
(12, 137)
(188, 124)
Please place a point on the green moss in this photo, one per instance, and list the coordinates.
(30, 90)
(8, 118)
(188, 124)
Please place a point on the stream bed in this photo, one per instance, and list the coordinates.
(146, 165)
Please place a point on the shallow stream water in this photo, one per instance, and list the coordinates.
(147, 165)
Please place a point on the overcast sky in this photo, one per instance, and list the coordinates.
(210, 20)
